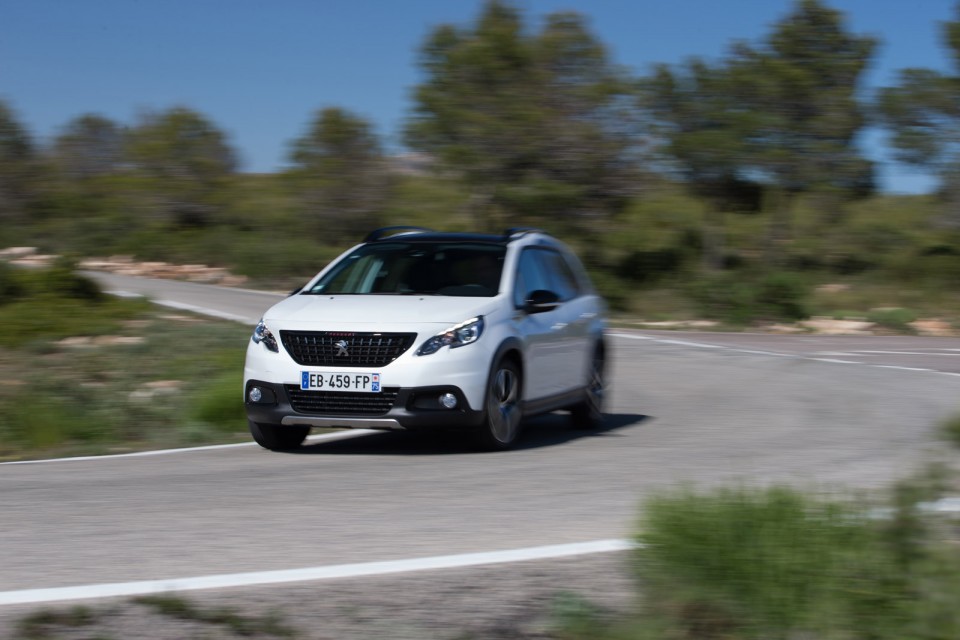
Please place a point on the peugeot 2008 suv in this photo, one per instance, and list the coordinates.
(416, 329)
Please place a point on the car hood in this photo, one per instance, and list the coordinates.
(374, 312)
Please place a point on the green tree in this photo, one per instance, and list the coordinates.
(341, 174)
(186, 163)
(923, 112)
(539, 126)
(89, 146)
(801, 86)
(699, 119)
(18, 167)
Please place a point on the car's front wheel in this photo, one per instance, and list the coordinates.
(276, 437)
(501, 424)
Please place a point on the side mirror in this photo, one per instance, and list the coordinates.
(541, 300)
(295, 291)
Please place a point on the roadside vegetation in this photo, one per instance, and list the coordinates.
(751, 563)
(190, 619)
(730, 189)
(86, 373)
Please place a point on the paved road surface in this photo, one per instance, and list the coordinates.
(698, 408)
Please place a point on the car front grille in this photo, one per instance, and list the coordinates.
(345, 349)
(341, 403)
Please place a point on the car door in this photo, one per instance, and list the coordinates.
(572, 323)
(547, 333)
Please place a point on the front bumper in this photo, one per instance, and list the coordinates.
(410, 408)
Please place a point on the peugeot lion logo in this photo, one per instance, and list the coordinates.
(342, 348)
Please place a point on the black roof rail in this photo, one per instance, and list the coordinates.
(520, 231)
(387, 231)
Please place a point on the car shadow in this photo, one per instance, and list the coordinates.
(542, 431)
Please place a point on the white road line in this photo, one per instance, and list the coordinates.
(183, 306)
(949, 505)
(932, 352)
(777, 354)
(82, 592)
(338, 435)
(206, 311)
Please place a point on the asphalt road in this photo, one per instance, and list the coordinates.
(822, 412)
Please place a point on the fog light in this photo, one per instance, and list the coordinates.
(448, 401)
(255, 394)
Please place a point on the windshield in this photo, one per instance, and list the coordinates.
(425, 268)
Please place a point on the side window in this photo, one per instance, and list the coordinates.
(544, 269)
(584, 286)
(562, 279)
(530, 276)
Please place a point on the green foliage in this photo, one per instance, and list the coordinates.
(774, 563)
(540, 126)
(800, 84)
(18, 168)
(739, 298)
(921, 112)
(951, 429)
(341, 175)
(895, 318)
(45, 623)
(55, 303)
(90, 146)
(175, 606)
(524, 125)
(219, 402)
(169, 383)
(223, 622)
(184, 162)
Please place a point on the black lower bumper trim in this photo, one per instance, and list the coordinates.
(412, 408)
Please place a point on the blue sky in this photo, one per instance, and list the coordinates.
(260, 70)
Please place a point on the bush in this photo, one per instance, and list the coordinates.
(11, 285)
(774, 563)
(951, 429)
(897, 319)
(60, 281)
(782, 296)
(733, 298)
(646, 267)
(48, 421)
(220, 402)
(724, 297)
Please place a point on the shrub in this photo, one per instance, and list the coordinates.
(220, 402)
(724, 297)
(11, 286)
(775, 563)
(646, 267)
(897, 318)
(951, 429)
(61, 281)
(736, 299)
(782, 296)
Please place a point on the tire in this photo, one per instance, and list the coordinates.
(501, 423)
(276, 437)
(588, 414)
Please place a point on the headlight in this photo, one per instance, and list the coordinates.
(463, 334)
(262, 334)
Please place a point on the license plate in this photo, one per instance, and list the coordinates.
(356, 382)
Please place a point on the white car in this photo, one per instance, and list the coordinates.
(416, 329)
